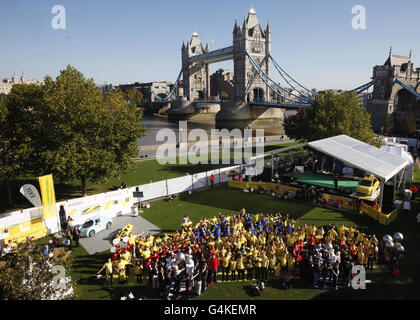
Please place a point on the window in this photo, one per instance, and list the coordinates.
(365, 183)
(88, 224)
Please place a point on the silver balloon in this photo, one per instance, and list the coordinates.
(389, 244)
(115, 241)
(400, 248)
(398, 236)
(113, 250)
(387, 237)
(126, 239)
(123, 245)
(180, 256)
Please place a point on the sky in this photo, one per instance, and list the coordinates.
(140, 41)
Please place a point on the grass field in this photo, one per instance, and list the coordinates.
(167, 216)
(143, 172)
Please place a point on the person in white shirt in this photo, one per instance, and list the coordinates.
(189, 266)
(406, 207)
(6, 251)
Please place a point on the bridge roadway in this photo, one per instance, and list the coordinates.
(214, 56)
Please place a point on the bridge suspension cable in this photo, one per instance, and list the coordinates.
(171, 93)
(278, 68)
(281, 70)
(271, 83)
(362, 88)
(408, 88)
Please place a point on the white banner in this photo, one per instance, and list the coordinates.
(31, 193)
(178, 185)
(200, 180)
(152, 190)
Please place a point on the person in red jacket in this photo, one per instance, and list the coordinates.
(213, 266)
(212, 180)
(413, 190)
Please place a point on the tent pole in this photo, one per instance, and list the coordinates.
(272, 166)
(405, 178)
(395, 185)
(381, 197)
(402, 176)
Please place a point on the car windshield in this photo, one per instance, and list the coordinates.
(88, 224)
(366, 183)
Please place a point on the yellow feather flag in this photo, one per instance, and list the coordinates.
(48, 196)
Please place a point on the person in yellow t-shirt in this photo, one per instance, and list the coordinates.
(121, 265)
(232, 265)
(257, 267)
(145, 253)
(273, 262)
(108, 272)
(225, 266)
(249, 268)
(360, 256)
(126, 256)
(139, 271)
(241, 267)
(371, 256)
(290, 263)
(264, 267)
(277, 270)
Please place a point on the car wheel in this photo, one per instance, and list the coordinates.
(91, 233)
(108, 225)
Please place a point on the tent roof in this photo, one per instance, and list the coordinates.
(357, 154)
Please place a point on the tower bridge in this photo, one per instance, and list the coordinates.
(256, 96)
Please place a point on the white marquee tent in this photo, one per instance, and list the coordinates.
(382, 164)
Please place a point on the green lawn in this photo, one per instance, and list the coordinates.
(143, 172)
(168, 215)
(416, 174)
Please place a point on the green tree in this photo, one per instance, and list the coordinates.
(408, 125)
(388, 121)
(82, 134)
(330, 115)
(28, 275)
(134, 96)
(16, 148)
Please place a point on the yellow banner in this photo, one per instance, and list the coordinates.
(339, 201)
(48, 196)
(378, 215)
(266, 186)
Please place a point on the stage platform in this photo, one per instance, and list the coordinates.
(322, 180)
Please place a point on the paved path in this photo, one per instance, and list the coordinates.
(103, 240)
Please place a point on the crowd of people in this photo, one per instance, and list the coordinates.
(243, 247)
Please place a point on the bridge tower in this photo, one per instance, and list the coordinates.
(249, 89)
(253, 38)
(196, 77)
(389, 97)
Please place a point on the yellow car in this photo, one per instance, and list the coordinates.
(124, 232)
(368, 185)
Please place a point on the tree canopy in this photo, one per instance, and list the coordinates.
(16, 149)
(330, 115)
(72, 130)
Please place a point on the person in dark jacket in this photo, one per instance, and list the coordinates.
(76, 236)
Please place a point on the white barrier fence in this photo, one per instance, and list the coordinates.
(114, 203)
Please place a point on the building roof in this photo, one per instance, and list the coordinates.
(357, 154)
(396, 60)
